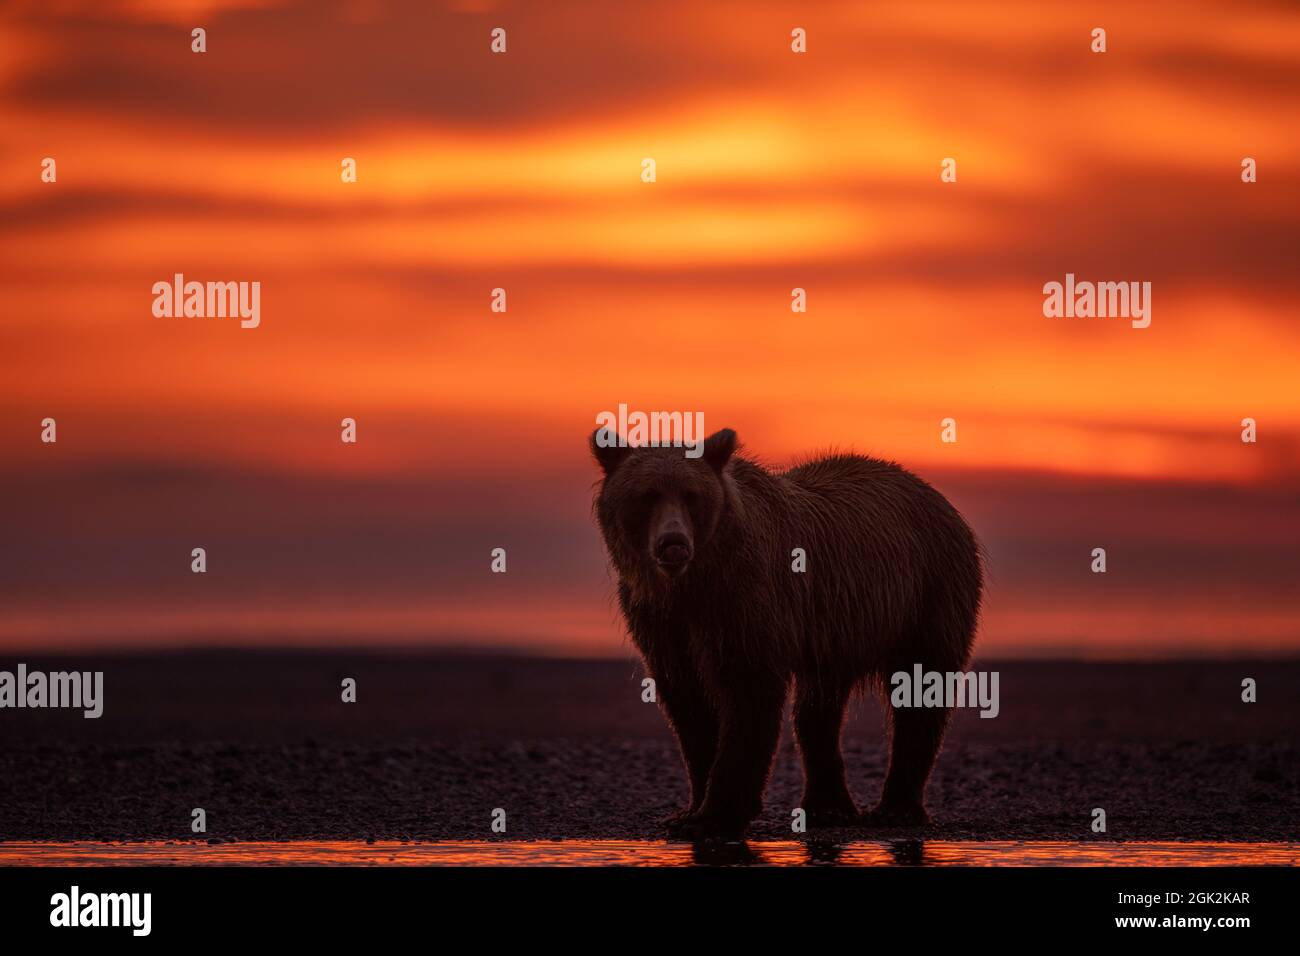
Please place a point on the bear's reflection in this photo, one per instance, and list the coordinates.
(714, 853)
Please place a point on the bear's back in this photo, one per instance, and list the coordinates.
(849, 479)
(878, 498)
(894, 549)
(837, 471)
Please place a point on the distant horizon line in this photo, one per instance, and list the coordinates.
(624, 652)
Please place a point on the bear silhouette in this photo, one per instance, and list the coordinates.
(702, 549)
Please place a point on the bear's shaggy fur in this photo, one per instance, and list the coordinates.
(703, 551)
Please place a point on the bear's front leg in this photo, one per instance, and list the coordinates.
(695, 722)
(750, 727)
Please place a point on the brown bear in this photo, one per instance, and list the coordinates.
(725, 622)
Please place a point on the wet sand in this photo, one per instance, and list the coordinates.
(262, 742)
(505, 852)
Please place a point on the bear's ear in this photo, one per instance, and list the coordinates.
(609, 448)
(718, 448)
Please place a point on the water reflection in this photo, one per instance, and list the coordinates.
(908, 852)
(653, 853)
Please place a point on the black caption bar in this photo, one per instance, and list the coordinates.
(544, 906)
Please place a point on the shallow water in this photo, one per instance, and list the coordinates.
(651, 853)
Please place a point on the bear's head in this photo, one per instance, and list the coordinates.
(658, 509)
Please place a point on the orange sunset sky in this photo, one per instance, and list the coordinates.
(775, 170)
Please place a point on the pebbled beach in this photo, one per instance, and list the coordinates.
(436, 741)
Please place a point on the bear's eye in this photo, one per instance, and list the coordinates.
(639, 508)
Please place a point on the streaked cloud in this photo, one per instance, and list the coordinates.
(521, 171)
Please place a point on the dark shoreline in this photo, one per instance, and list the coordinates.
(436, 741)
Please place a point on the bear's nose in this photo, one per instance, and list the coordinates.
(673, 548)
